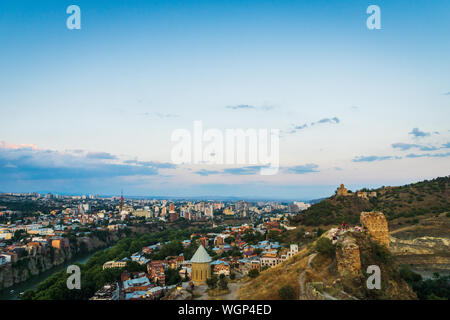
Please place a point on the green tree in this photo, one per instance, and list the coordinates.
(223, 283)
(253, 273)
(172, 276)
(325, 246)
(212, 282)
(286, 293)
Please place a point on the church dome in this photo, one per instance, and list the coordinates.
(201, 256)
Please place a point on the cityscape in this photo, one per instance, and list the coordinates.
(211, 158)
(27, 234)
(162, 249)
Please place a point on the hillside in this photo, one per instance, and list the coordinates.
(333, 270)
(410, 201)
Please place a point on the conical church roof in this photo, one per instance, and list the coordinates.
(201, 256)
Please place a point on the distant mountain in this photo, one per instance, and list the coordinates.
(425, 197)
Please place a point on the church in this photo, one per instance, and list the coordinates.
(201, 266)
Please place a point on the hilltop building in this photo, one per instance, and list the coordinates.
(201, 266)
(342, 191)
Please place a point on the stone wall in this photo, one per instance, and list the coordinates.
(347, 256)
(376, 224)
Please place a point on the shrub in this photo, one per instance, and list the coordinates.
(325, 246)
(223, 284)
(212, 282)
(253, 273)
(286, 293)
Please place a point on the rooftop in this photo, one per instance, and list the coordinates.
(201, 256)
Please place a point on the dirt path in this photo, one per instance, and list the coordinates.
(301, 278)
(402, 229)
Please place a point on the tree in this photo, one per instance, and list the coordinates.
(212, 282)
(229, 240)
(325, 246)
(223, 283)
(19, 234)
(133, 266)
(286, 293)
(253, 273)
(172, 276)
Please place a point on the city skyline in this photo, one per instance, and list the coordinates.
(92, 110)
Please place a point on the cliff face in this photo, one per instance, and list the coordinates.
(32, 265)
(29, 266)
(426, 253)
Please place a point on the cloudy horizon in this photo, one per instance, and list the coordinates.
(92, 111)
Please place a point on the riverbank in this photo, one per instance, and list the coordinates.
(32, 266)
(33, 282)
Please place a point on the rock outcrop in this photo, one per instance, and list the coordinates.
(376, 224)
(423, 253)
(31, 265)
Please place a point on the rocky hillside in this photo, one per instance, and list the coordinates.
(32, 265)
(424, 245)
(412, 201)
(335, 269)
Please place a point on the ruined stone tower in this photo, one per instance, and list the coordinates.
(376, 224)
(348, 257)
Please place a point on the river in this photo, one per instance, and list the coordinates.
(34, 281)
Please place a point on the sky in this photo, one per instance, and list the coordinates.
(93, 110)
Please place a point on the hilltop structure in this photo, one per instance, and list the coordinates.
(201, 266)
(342, 191)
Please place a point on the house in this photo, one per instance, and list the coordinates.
(185, 271)
(114, 264)
(156, 269)
(186, 243)
(107, 292)
(60, 243)
(4, 259)
(219, 240)
(140, 283)
(269, 259)
(8, 257)
(139, 259)
(245, 265)
(174, 262)
(221, 267)
(33, 248)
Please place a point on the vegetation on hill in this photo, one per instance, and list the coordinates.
(436, 288)
(411, 201)
(92, 275)
(316, 264)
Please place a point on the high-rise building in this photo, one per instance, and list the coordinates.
(173, 216)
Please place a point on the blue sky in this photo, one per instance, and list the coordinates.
(92, 110)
